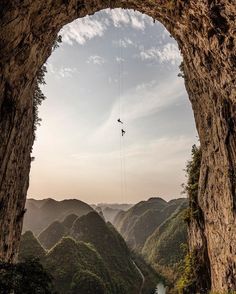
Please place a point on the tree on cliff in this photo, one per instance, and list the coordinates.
(24, 277)
(191, 268)
(39, 96)
(191, 187)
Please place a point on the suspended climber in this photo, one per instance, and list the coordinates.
(119, 121)
(122, 130)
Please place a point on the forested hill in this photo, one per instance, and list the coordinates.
(138, 223)
(41, 213)
(89, 251)
(155, 229)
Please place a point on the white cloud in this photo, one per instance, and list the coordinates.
(66, 72)
(89, 27)
(137, 22)
(124, 43)
(144, 100)
(168, 53)
(119, 17)
(95, 59)
(145, 86)
(135, 19)
(82, 30)
(151, 97)
(119, 59)
(61, 72)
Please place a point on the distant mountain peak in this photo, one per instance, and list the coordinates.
(156, 198)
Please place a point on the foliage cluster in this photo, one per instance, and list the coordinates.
(91, 228)
(30, 247)
(87, 282)
(69, 258)
(191, 188)
(188, 275)
(25, 277)
(163, 249)
(194, 264)
(38, 96)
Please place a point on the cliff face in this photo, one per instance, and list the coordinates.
(206, 33)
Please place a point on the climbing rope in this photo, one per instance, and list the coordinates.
(123, 178)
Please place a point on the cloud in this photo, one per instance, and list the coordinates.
(84, 29)
(61, 72)
(121, 17)
(168, 53)
(151, 97)
(95, 59)
(143, 100)
(123, 43)
(164, 147)
(119, 59)
(145, 86)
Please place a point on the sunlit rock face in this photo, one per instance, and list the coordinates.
(205, 31)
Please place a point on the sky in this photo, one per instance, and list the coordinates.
(114, 64)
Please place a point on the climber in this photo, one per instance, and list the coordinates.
(119, 121)
(122, 132)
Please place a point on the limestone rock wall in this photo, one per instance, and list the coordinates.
(206, 33)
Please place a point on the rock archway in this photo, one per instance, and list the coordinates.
(206, 33)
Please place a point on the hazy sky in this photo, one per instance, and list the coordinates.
(114, 64)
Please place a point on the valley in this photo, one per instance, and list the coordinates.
(126, 249)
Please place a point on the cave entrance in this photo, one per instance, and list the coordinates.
(205, 32)
(115, 63)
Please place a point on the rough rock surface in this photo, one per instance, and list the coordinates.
(206, 33)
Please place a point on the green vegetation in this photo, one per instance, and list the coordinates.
(191, 188)
(25, 277)
(141, 220)
(166, 248)
(163, 249)
(38, 96)
(187, 280)
(52, 234)
(30, 247)
(68, 258)
(87, 255)
(94, 256)
(194, 266)
(195, 263)
(92, 229)
(85, 282)
(151, 276)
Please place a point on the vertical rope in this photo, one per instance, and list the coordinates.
(122, 142)
(122, 189)
(124, 169)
